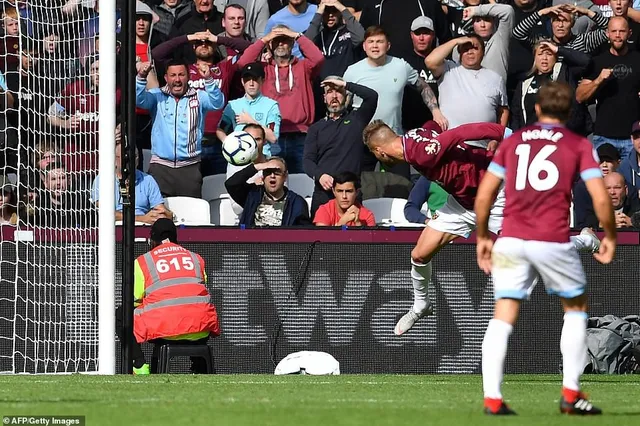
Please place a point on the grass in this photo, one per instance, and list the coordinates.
(306, 400)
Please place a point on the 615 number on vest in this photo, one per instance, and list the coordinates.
(163, 266)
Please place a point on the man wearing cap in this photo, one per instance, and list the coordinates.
(414, 112)
(252, 108)
(585, 215)
(334, 143)
(172, 302)
(630, 165)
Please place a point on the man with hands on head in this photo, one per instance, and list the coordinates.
(334, 143)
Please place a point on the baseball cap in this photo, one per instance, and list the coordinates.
(636, 127)
(422, 22)
(606, 151)
(252, 70)
(164, 229)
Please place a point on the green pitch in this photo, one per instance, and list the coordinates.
(304, 400)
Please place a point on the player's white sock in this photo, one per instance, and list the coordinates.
(573, 345)
(420, 277)
(494, 350)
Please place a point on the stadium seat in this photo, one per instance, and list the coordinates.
(301, 184)
(167, 352)
(387, 210)
(146, 159)
(189, 211)
(222, 212)
(213, 187)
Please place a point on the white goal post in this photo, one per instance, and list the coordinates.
(57, 241)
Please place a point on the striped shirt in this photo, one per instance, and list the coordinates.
(586, 42)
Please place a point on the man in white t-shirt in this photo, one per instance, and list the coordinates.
(468, 92)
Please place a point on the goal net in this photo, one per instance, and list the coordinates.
(49, 133)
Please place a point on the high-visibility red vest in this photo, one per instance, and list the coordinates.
(175, 301)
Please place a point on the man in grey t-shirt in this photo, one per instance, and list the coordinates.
(468, 92)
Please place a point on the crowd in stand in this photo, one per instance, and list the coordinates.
(304, 78)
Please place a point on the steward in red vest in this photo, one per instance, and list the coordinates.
(171, 299)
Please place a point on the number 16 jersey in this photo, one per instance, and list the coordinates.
(539, 165)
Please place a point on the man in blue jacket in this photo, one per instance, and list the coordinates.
(269, 204)
(178, 113)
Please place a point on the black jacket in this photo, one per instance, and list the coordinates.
(249, 196)
(193, 23)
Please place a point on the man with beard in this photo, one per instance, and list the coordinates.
(203, 17)
(297, 16)
(612, 79)
(288, 80)
(334, 144)
(178, 113)
(204, 45)
(337, 33)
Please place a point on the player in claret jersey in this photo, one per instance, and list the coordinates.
(444, 158)
(539, 165)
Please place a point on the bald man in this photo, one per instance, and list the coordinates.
(623, 206)
(612, 79)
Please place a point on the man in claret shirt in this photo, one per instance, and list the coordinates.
(447, 159)
(537, 167)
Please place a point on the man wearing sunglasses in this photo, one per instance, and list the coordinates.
(269, 204)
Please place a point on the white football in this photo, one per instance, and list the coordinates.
(239, 148)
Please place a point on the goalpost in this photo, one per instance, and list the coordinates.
(57, 263)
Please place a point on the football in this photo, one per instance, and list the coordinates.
(239, 148)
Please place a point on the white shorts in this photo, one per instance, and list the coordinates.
(516, 264)
(454, 219)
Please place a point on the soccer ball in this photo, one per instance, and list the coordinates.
(239, 148)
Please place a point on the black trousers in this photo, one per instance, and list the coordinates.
(181, 182)
(198, 365)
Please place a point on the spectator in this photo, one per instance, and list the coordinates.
(334, 143)
(424, 191)
(253, 108)
(388, 76)
(296, 16)
(623, 8)
(170, 11)
(58, 204)
(257, 14)
(396, 17)
(337, 33)
(75, 113)
(585, 215)
(149, 202)
(54, 62)
(8, 203)
(344, 210)
(10, 44)
(494, 24)
(269, 204)
(234, 23)
(562, 20)
(288, 80)
(611, 80)
(468, 83)
(204, 45)
(6, 103)
(622, 205)
(414, 111)
(630, 166)
(203, 17)
(547, 68)
(6, 98)
(178, 113)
